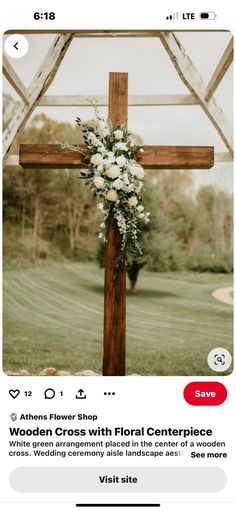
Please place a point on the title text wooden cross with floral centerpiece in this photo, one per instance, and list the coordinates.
(119, 190)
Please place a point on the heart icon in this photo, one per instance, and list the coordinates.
(14, 393)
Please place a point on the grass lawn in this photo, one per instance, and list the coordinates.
(53, 317)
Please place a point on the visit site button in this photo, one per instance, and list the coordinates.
(205, 393)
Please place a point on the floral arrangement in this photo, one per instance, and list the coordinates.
(116, 178)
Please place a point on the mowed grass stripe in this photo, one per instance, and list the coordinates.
(42, 321)
(58, 305)
(40, 302)
(44, 302)
(54, 314)
(59, 298)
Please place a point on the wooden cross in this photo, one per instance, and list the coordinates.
(156, 157)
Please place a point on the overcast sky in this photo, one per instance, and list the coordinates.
(85, 70)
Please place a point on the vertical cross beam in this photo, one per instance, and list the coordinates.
(114, 292)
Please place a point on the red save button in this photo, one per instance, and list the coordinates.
(208, 393)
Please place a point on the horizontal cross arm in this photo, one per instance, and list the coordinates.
(176, 157)
(155, 157)
(51, 156)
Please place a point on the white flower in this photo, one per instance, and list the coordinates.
(121, 146)
(105, 132)
(96, 159)
(113, 172)
(126, 179)
(100, 235)
(102, 129)
(100, 168)
(121, 161)
(133, 201)
(141, 215)
(118, 184)
(99, 182)
(101, 124)
(118, 134)
(136, 170)
(103, 225)
(140, 173)
(112, 195)
(121, 222)
(141, 150)
(110, 158)
(92, 139)
(100, 205)
(129, 188)
(140, 208)
(102, 150)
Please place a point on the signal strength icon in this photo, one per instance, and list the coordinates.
(174, 16)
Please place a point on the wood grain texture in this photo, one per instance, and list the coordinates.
(223, 66)
(176, 157)
(51, 156)
(115, 274)
(39, 85)
(13, 159)
(14, 79)
(118, 98)
(191, 77)
(114, 304)
(154, 157)
(133, 100)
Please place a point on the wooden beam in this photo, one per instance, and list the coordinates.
(157, 157)
(41, 156)
(194, 82)
(223, 158)
(176, 157)
(13, 159)
(223, 66)
(38, 87)
(14, 80)
(80, 100)
(115, 274)
(142, 100)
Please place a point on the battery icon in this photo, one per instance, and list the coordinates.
(207, 15)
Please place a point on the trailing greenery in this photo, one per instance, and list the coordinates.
(116, 179)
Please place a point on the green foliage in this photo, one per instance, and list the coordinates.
(164, 253)
(204, 259)
(187, 231)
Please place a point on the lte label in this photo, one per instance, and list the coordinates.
(188, 15)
